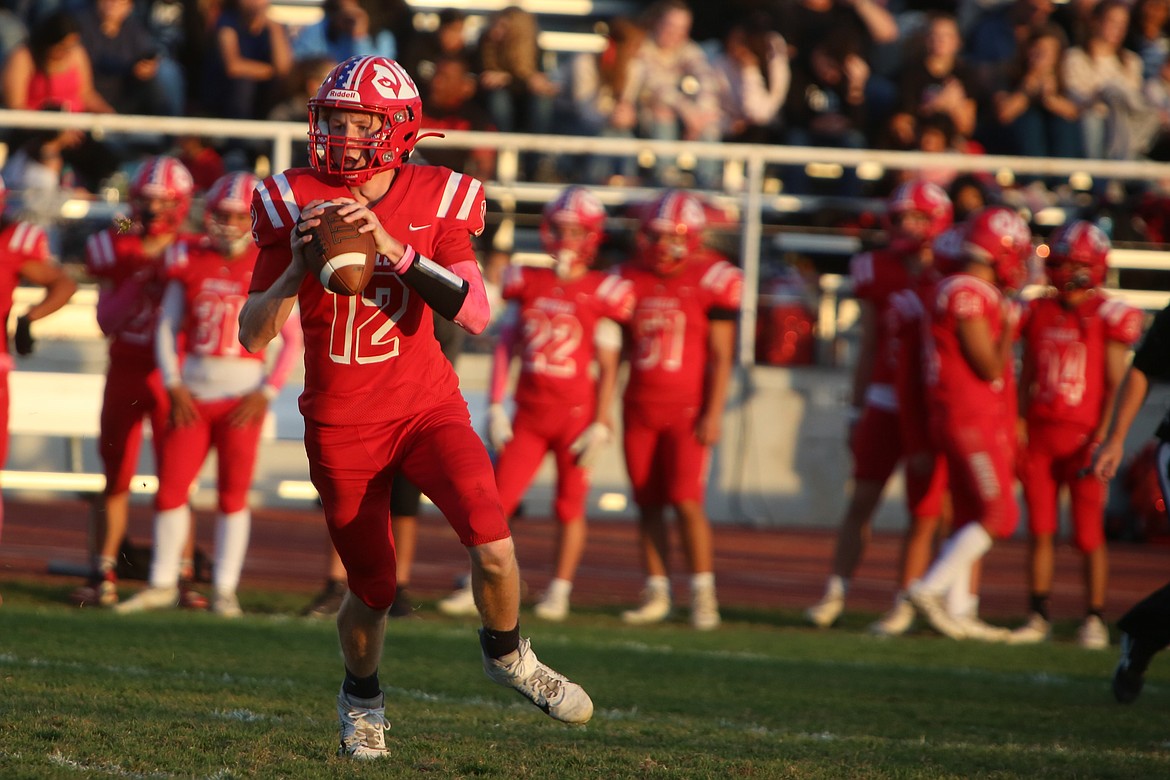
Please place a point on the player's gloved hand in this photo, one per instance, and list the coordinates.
(590, 444)
(499, 427)
(23, 339)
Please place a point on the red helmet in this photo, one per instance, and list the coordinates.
(161, 179)
(231, 194)
(673, 213)
(578, 207)
(372, 85)
(923, 197)
(947, 248)
(1000, 238)
(1078, 256)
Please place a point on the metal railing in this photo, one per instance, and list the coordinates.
(744, 170)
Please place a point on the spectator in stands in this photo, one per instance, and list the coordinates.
(244, 70)
(516, 91)
(864, 22)
(202, 160)
(996, 35)
(12, 34)
(35, 169)
(128, 68)
(970, 193)
(594, 85)
(426, 48)
(1157, 93)
(25, 258)
(53, 72)
(1105, 81)
(1037, 116)
(936, 81)
(826, 104)
(1148, 34)
(449, 105)
(303, 80)
(756, 76)
(343, 32)
(673, 90)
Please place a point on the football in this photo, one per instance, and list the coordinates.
(341, 256)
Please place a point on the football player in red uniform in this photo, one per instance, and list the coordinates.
(379, 396)
(128, 264)
(24, 256)
(972, 408)
(1076, 341)
(682, 346)
(560, 321)
(219, 394)
(917, 212)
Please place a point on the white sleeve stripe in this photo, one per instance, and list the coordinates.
(449, 191)
(606, 286)
(286, 195)
(106, 248)
(468, 200)
(19, 235)
(270, 207)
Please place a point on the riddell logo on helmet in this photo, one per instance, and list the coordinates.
(344, 94)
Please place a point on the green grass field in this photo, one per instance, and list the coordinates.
(88, 694)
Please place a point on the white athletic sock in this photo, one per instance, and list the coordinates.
(171, 527)
(702, 581)
(658, 583)
(231, 546)
(969, 545)
(836, 587)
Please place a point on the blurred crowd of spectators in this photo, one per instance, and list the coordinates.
(1086, 78)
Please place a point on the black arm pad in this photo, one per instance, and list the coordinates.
(442, 290)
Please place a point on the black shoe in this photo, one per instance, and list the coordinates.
(327, 602)
(1130, 674)
(402, 606)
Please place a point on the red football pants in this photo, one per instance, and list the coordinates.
(537, 430)
(876, 444)
(664, 459)
(980, 454)
(1059, 455)
(133, 391)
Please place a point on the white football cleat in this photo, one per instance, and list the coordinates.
(826, 611)
(460, 603)
(226, 605)
(896, 622)
(705, 610)
(549, 690)
(1036, 630)
(981, 631)
(363, 728)
(149, 599)
(931, 606)
(1093, 634)
(655, 608)
(551, 608)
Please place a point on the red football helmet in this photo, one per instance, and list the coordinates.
(673, 214)
(918, 197)
(160, 195)
(576, 207)
(373, 85)
(227, 213)
(1000, 238)
(947, 248)
(1078, 256)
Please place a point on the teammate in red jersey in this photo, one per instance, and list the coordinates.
(557, 323)
(917, 212)
(1076, 341)
(24, 256)
(128, 264)
(379, 396)
(219, 394)
(682, 345)
(972, 405)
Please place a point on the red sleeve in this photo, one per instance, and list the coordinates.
(99, 255)
(274, 213)
(617, 298)
(514, 281)
(1122, 323)
(176, 262)
(723, 284)
(29, 243)
(862, 275)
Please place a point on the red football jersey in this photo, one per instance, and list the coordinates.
(373, 357)
(669, 327)
(215, 289)
(20, 243)
(953, 387)
(118, 258)
(905, 322)
(557, 319)
(876, 276)
(1067, 347)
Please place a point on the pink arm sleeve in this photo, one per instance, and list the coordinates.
(502, 357)
(473, 316)
(292, 344)
(115, 305)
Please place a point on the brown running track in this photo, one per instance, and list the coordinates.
(777, 568)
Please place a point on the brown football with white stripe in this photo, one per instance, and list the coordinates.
(340, 255)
